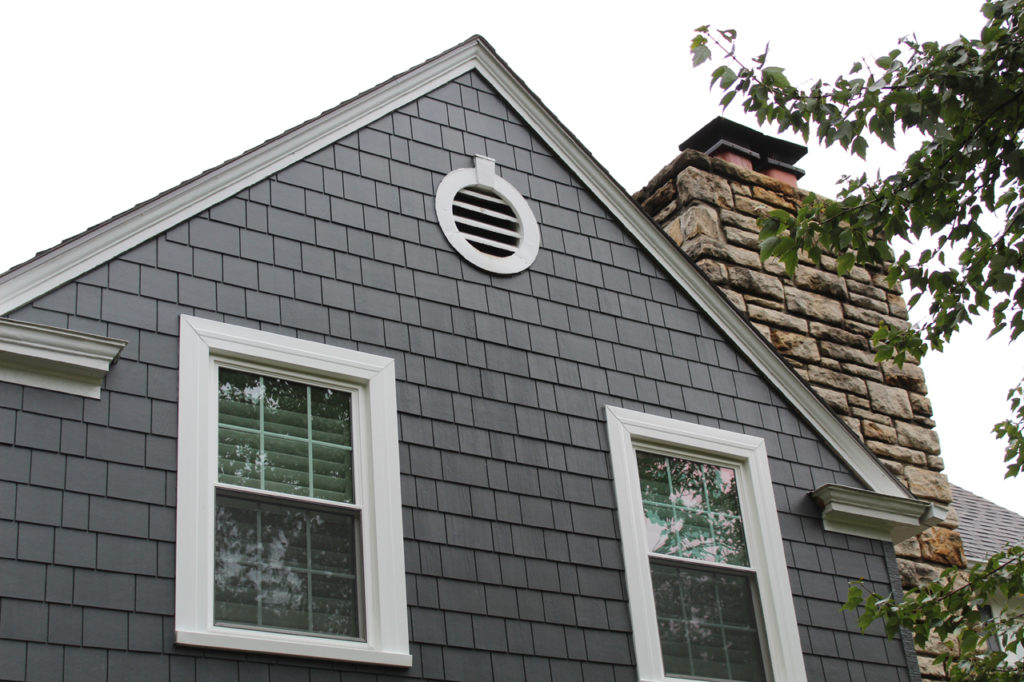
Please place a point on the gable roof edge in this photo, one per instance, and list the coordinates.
(92, 248)
(97, 245)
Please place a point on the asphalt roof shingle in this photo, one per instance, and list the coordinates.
(985, 527)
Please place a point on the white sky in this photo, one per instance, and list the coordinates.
(106, 104)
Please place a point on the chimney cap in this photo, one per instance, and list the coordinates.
(765, 151)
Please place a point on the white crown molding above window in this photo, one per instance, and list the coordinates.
(56, 359)
(872, 515)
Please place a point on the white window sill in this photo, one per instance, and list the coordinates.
(291, 645)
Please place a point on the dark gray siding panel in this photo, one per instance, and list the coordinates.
(513, 561)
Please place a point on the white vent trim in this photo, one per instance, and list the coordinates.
(486, 220)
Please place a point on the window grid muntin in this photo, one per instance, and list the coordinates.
(257, 494)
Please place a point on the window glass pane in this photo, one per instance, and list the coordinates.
(285, 567)
(283, 436)
(239, 399)
(286, 465)
(707, 623)
(692, 509)
(284, 408)
(332, 472)
(331, 415)
(239, 458)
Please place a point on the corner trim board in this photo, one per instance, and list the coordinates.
(56, 359)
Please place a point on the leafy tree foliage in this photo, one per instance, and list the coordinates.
(951, 610)
(958, 199)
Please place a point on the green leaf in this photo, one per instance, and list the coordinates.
(844, 263)
(774, 75)
(700, 53)
(860, 147)
(724, 74)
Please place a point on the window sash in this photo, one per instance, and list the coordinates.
(265, 446)
(694, 522)
(708, 622)
(268, 443)
(262, 572)
(692, 509)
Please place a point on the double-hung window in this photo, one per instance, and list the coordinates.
(289, 525)
(705, 570)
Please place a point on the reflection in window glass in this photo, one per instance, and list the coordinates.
(283, 567)
(284, 436)
(692, 510)
(706, 623)
(707, 619)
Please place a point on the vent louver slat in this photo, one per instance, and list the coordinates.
(490, 246)
(485, 220)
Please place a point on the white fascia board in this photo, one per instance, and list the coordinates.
(55, 359)
(93, 248)
(872, 515)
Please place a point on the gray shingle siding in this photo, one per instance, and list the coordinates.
(514, 569)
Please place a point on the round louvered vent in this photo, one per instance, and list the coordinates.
(486, 220)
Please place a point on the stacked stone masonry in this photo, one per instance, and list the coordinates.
(822, 324)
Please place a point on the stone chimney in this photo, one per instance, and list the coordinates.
(708, 200)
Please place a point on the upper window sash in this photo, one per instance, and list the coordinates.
(630, 431)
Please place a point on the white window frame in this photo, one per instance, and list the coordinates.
(630, 431)
(206, 345)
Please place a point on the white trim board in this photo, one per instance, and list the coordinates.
(55, 359)
(871, 515)
(108, 240)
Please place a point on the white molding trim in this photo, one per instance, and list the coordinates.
(56, 359)
(629, 430)
(204, 345)
(873, 515)
(80, 254)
